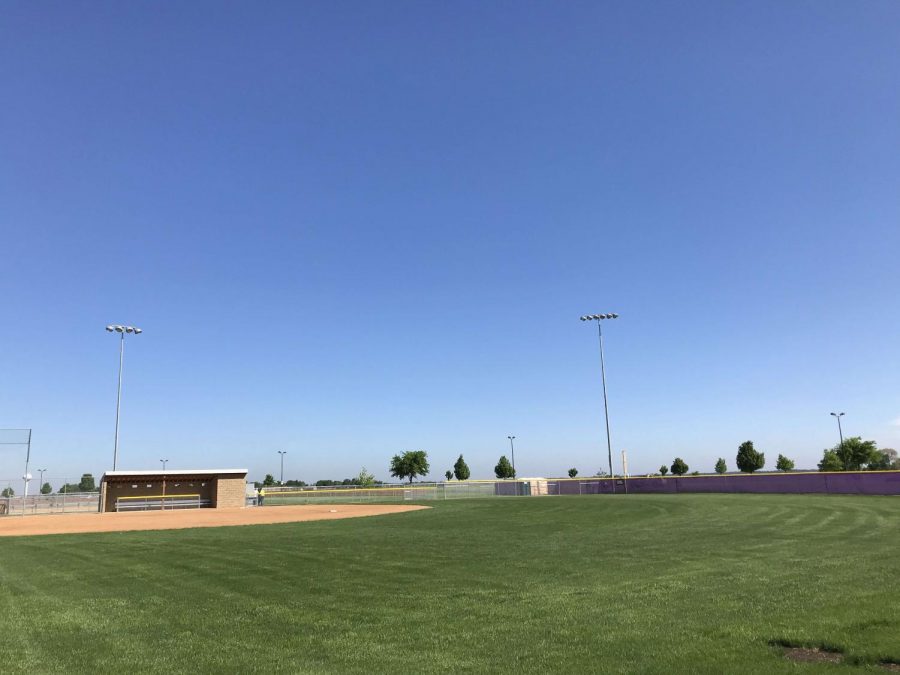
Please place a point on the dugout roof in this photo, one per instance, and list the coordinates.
(184, 474)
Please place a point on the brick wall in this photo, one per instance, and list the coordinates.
(230, 493)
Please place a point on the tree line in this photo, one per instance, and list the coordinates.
(86, 484)
(853, 454)
(414, 463)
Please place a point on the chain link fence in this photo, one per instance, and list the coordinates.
(72, 502)
(399, 492)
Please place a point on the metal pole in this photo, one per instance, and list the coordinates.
(838, 416)
(512, 450)
(605, 406)
(119, 399)
(282, 453)
(625, 471)
(25, 477)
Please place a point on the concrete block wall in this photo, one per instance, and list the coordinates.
(231, 493)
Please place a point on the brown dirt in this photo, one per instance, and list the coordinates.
(15, 526)
(804, 655)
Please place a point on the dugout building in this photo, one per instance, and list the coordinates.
(176, 489)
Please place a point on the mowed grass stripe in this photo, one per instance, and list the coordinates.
(646, 583)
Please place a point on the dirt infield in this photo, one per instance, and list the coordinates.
(13, 526)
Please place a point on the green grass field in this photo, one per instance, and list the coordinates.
(648, 583)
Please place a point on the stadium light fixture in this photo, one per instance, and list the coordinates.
(122, 330)
(599, 318)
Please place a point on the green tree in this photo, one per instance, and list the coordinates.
(46, 489)
(365, 479)
(679, 468)
(504, 468)
(784, 464)
(573, 472)
(461, 469)
(269, 480)
(831, 462)
(448, 475)
(8, 492)
(853, 454)
(410, 464)
(749, 459)
(892, 456)
(857, 454)
(664, 469)
(68, 488)
(87, 483)
(720, 466)
(887, 459)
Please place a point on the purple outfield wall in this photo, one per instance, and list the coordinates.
(823, 482)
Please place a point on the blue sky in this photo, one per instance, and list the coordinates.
(351, 229)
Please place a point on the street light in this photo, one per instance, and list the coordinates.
(41, 481)
(122, 330)
(838, 417)
(512, 449)
(599, 318)
(164, 463)
(282, 453)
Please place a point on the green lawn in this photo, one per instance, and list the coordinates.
(649, 583)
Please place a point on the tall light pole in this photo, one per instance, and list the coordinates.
(282, 453)
(116, 328)
(599, 318)
(164, 461)
(838, 417)
(41, 481)
(512, 450)
(26, 476)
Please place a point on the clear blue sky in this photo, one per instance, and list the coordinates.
(350, 229)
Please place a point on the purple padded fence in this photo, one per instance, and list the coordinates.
(850, 482)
